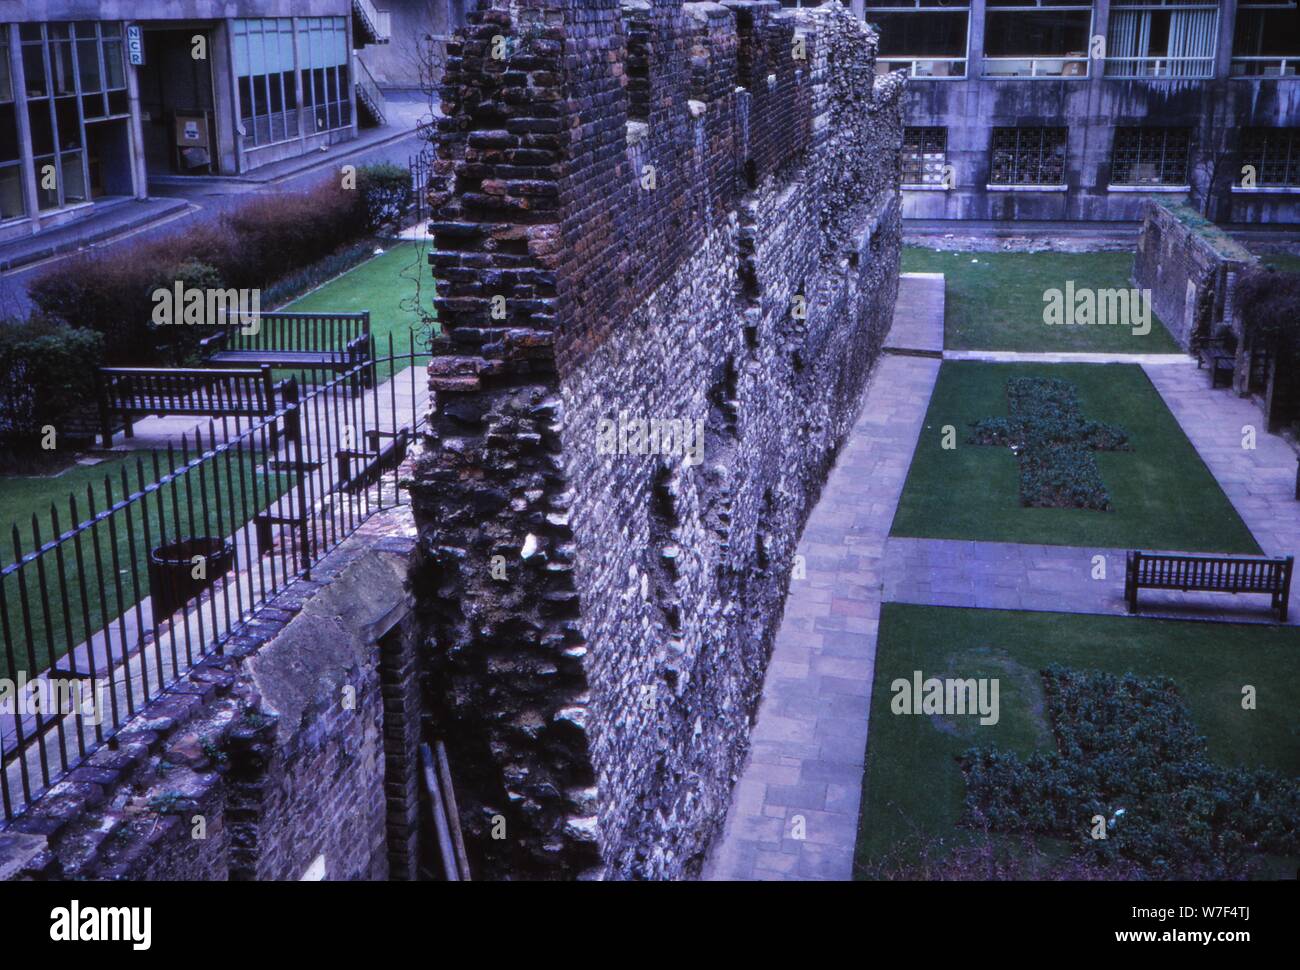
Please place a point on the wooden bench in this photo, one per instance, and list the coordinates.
(335, 342)
(133, 392)
(1221, 354)
(1209, 574)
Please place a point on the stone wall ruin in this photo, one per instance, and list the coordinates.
(681, 212)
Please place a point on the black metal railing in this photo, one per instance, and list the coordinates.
(115, 594)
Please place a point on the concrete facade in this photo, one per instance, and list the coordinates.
(208, 98)
(1092, 106)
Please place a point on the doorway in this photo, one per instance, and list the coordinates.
(176, 103)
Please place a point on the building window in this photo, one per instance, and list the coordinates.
(1037, 38)
(75, 73)
(1028, 156)
(266, 79)
(927, 38)
(1150, 156)
(925, 151)
(1266, 42)
(1161, 38)
(1274, 154)
(326, 83)
(12, 203)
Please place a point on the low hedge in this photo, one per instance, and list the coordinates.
(1054, 444)
(268, 239)
(1128, 751)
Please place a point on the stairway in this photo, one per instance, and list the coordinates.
(370, 100)
(369, 25)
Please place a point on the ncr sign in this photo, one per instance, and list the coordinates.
(135, 44)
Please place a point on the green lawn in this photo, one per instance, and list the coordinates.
(21, 498)
(1162, 495)
(913, 788)
(1282, 263)
(994, 301)
(384, 285)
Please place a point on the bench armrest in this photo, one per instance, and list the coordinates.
(215, 340)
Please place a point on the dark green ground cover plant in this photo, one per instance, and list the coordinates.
(1128, 754)
(1053, 443)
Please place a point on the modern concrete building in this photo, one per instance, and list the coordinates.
(1069, 109)
(97, 97)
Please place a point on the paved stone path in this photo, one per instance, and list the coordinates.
(1259, 482)
(1053, 579)
(1062, 357)
(918, 315)
(810, 737)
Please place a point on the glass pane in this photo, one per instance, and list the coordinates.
(6, 80)
(9, 151)
(92, 105)
(115, 74)
(1037, 33)
(65, 112)
(11, 192)
(110, 28)
(925, 34)
(34, 69)
(85, 28)
(47, 183)
(38, 116)
(61, 67)
(74, 178)
(88, 62)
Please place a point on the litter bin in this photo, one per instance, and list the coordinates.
(172, 582)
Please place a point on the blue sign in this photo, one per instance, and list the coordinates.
(135, 44)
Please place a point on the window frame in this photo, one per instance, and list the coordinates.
(1112, 69)
(1019, 166)
(1145, 133)
(911, 62)
(1286, 61)
(1061, 7)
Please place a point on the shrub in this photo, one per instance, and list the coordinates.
(1054, 444)
(177, 345)
(46, 375)
(385, 192)
(108, 293)
(1130, 743)
(111, 292)
(284, 232)
(1269, 303)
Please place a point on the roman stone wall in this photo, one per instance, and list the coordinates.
(683, 212)
(1190, 266)
(292, 751)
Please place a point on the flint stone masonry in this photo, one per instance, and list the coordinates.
(1191, 267)
(657, 191)
(298, 742)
